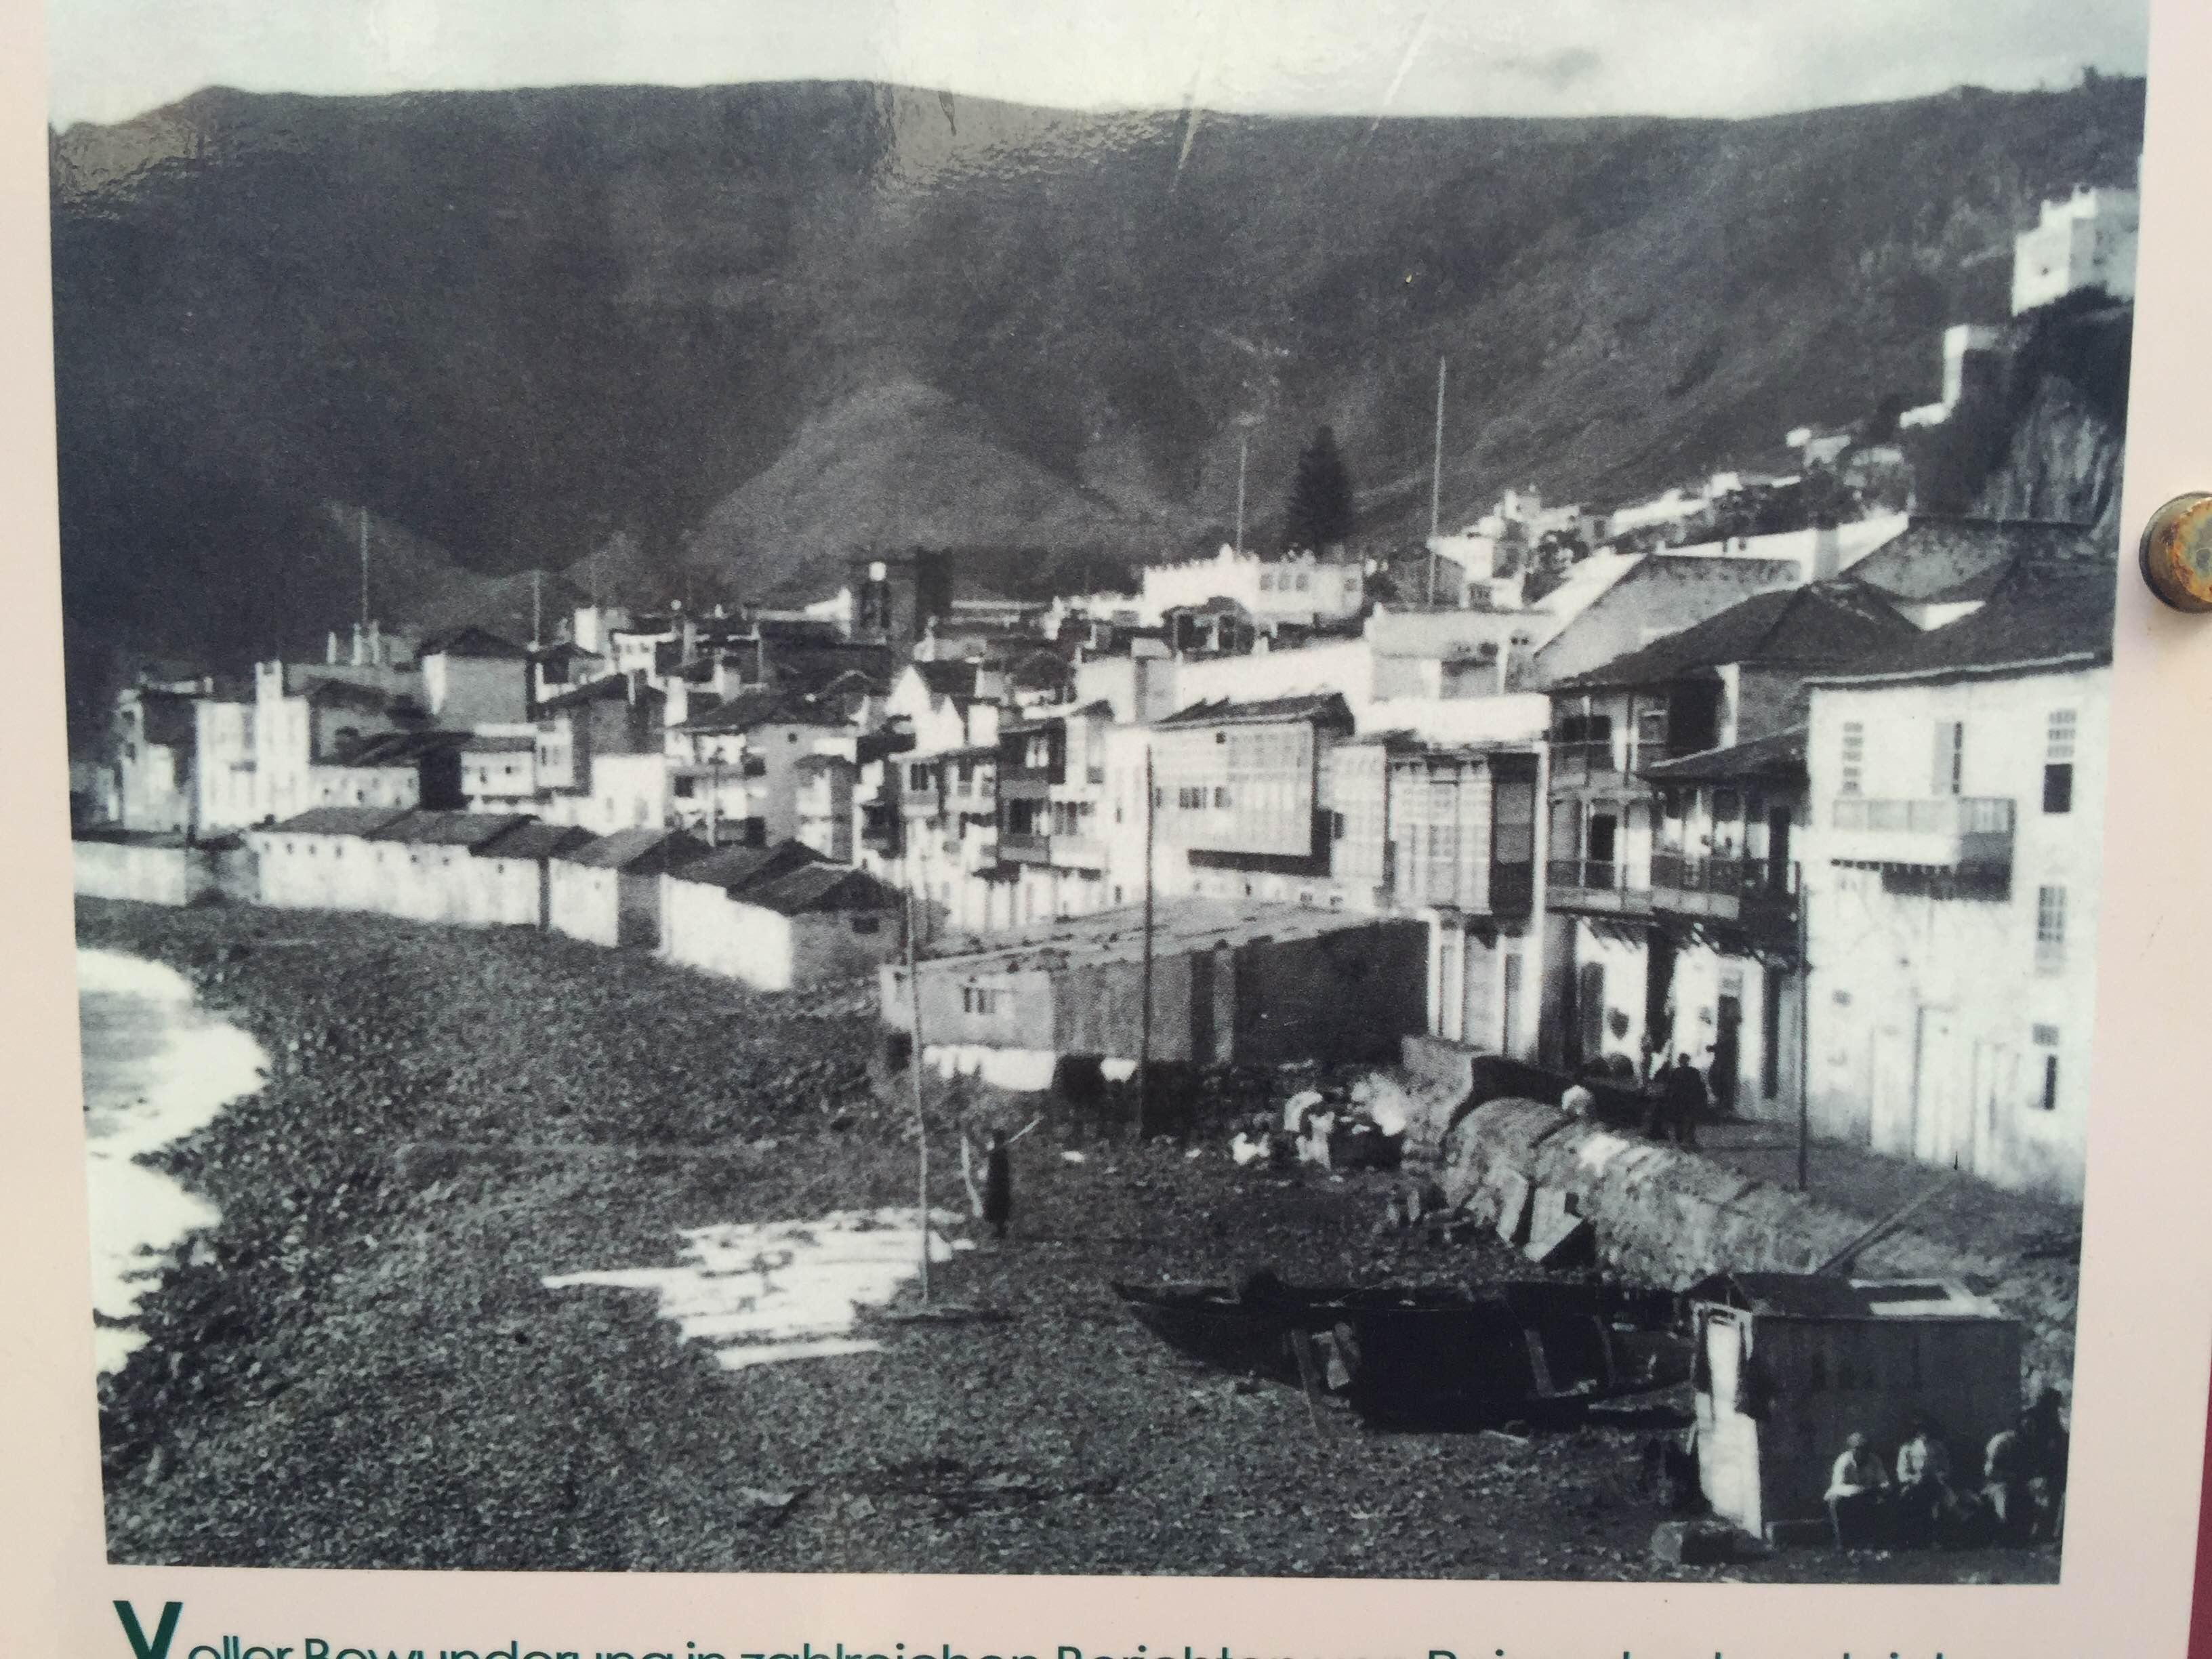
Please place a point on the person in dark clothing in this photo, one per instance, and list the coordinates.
(998, 1185)
(1682, 1102)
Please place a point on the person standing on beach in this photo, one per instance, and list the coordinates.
(998, 1185)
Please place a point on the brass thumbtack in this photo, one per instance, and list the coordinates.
(2177, 552)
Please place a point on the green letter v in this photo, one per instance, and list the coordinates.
(159, 1647)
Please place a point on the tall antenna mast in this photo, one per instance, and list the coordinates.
(364, 566)
(1437, 483)
(1244, 454)
(537, 607)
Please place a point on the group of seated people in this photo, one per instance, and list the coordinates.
(2020, 1499)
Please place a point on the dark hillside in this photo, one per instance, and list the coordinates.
(754, 327)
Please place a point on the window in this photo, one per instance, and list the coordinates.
(1854, 758)
(1304, 581)
(1950, 758)
(979, 999)
(2046, 1038)
(2058, 763)
(2049, 929)
(866, 924)
(1266, 582)
(1221, 798)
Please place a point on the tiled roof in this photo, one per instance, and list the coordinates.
(481, 743)
(448, 828)
(1823, 626)
(339, 820)
(627, 849)
(1778, 754)
(398, 748)
(531, 840)
(733, 869)
(1936, 558)
(754, 707)
(610, 687)
(820, 887)
(2043, 615)
(1324, 706)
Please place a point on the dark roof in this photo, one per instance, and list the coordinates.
(560, 651)
(482, 743)
(1321, 707)
(530, 839)
(608, 688)
(948, 679)
(448, 828)
(818, 887)
(340, 820)
(398, 748)
(754, 707)
(2041, 616)
(1779, 755)
(347, 694)
(626, 849)
(471, 641)
(1937, 558)
(734, 869)
(1823, 626)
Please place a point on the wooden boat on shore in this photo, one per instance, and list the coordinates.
(1429, 1356)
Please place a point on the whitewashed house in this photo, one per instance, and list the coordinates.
(608, 891)
(778, 918)
(1957, 787)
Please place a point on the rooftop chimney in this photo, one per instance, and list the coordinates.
(1827, 552)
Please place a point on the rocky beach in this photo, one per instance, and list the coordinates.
(362, 1364)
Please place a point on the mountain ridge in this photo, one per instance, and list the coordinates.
(517, 325)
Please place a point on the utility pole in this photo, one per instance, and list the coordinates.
(715, 799)
(1243, 456)
(1145, 974)
(913, 1069)
(364, 569)
(1804, 1036)
(537, 608)
(1436, 484)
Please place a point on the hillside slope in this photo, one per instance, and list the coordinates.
(514, 324)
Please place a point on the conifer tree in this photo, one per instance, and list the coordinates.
(1319, 514)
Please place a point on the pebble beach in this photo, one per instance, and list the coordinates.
(438, 1318)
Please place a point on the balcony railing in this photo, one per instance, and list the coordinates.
(1596, 884)
(1941, 832)
(1728, 888)
(1024, 782)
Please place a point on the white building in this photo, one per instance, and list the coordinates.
(1301, 589)
(2085, 241)
(1957, 787)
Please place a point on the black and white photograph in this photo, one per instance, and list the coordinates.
(1304, 791)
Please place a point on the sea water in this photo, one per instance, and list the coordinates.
(157, 1067)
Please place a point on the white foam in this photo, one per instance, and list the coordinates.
(158, 1067)
(764, 1292)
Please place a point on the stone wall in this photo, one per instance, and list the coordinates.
(1667, 1217)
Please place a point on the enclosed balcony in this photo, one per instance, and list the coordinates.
(1755, 892)
(1967, 833)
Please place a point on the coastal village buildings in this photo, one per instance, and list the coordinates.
(1677, 795)
(1597, 826)
(2085, 241)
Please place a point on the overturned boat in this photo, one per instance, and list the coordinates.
(1429, 1355)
